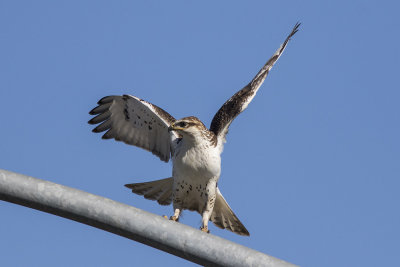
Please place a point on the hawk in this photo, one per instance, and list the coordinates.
(194, 149)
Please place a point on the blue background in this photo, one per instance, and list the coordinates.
(311, 167)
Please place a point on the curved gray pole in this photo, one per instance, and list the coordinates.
(130, 222)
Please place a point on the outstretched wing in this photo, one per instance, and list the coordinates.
(136, 122)
(239, 101)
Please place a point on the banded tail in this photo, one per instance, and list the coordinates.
(160, 190)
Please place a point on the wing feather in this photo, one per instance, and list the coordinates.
(101, 117)
(100, 109)
(136, 122)
(239, 101)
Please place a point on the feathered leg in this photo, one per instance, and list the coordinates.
(211, 195)
(177, 212)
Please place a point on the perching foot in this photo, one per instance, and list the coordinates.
(205, 229)
(173, 218)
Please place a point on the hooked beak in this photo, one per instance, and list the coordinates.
(173, 127)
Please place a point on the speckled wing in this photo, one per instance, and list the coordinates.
(239, 101)
(136, 122)
(224, 218)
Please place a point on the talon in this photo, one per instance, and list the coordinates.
(165, 217)
(173, 218)
(205, 229)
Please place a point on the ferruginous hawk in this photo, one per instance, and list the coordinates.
(194, 149)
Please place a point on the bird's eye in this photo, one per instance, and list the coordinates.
(182, 124)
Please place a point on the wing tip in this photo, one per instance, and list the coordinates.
(107, 99)
(108, 135)
(91, 121)
(293, 32)
(130, 186)
(95, 130)
(295, 29)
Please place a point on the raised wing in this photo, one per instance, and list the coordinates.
(239, 101)
(136, 122)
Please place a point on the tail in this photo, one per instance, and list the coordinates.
(224, 218)
(160, 190)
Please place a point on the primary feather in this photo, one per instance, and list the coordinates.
(136, 122)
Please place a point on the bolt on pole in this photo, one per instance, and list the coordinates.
(130, 222)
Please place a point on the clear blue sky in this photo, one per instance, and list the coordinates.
(312, 167)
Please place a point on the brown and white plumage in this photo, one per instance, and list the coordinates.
(160, 190)
(240, 100)
(136, 122)
(195, 150)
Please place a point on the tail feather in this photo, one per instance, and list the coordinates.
(224, 218)
(160, 190)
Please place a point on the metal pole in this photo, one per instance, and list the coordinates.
(130, 222)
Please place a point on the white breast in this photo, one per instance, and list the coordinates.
(194, 165)
(196, 161)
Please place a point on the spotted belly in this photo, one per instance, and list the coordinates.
(194, 168)
(191, 195)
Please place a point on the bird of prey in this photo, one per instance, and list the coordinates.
(194, 149)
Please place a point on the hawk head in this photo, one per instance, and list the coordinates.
(188, 126)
